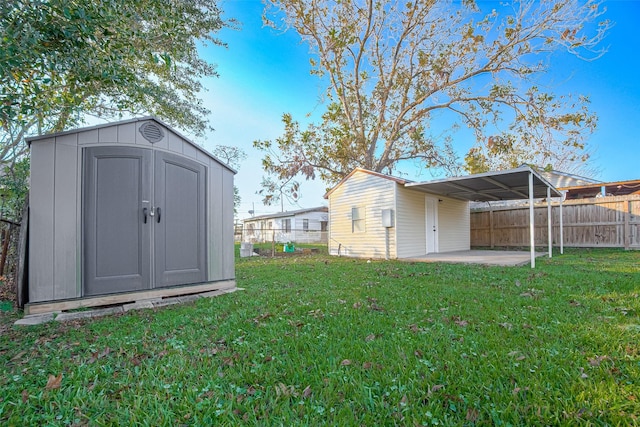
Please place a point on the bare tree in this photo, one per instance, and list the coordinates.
(401, 76)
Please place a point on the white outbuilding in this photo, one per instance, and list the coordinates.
(373, 215)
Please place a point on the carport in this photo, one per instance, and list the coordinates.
(522, 183)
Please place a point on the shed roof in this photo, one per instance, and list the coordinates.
(510, 184)
(31, 139)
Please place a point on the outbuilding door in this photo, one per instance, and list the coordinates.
(431, 210)
(143, 220)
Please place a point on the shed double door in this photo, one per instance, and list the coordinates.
(143, 220)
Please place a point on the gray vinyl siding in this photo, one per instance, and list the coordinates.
(373, 194)
(410, 223)
(55, 241)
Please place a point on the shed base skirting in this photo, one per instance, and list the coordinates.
(121, 298)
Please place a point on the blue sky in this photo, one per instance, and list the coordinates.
(265, 73)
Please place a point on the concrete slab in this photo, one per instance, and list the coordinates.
(63, 317)
(35, 319)
(485, 257)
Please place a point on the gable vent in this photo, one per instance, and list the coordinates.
(151, 132)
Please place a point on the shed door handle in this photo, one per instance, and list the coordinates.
(145, 211)
(159, 212)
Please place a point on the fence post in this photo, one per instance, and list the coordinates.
(627, 230)
(491, 238)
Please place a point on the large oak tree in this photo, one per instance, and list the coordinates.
(401, 76)
(63, 59)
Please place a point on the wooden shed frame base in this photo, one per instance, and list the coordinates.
(102, 300)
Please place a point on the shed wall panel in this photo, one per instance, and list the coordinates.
(88, 137)
(175, 143)
(108, 135)
(65, 219)
(214, 229)
(127, 133)
(201, 156)
(41, 212)
(227, 250)
(372, 194)
(189, 151)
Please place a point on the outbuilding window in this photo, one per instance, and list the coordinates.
(305, 225)
(358, 220)
(286, 225)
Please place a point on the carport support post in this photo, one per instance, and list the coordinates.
(532, 241)
(549, 230)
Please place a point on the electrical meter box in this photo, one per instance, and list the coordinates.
(387, 218)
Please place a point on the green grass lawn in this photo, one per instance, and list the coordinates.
(318, 340)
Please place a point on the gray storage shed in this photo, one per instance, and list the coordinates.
(124, 212)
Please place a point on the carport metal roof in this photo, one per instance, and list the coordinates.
(514, 184)
(511, 184)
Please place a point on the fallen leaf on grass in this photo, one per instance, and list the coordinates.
(461, 323)
(518, 390)
(296, 324)
(345, 362)
(357, 305)
(370, 337)
(284, 390)
(435, 388)
(597, 360)
(18, 356)
(367, 365)
(404, 400)
(25, 396)
(575, 303)
(582, 374)
(508, 326)
(318, 314)
(306, 392)
(261, 317)
(375, 307)
(472, 415)
(54, 382)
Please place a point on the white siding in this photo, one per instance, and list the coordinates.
(373, 194)
(410, 223)
(454, 225)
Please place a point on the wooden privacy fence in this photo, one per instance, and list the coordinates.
(612, 222)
